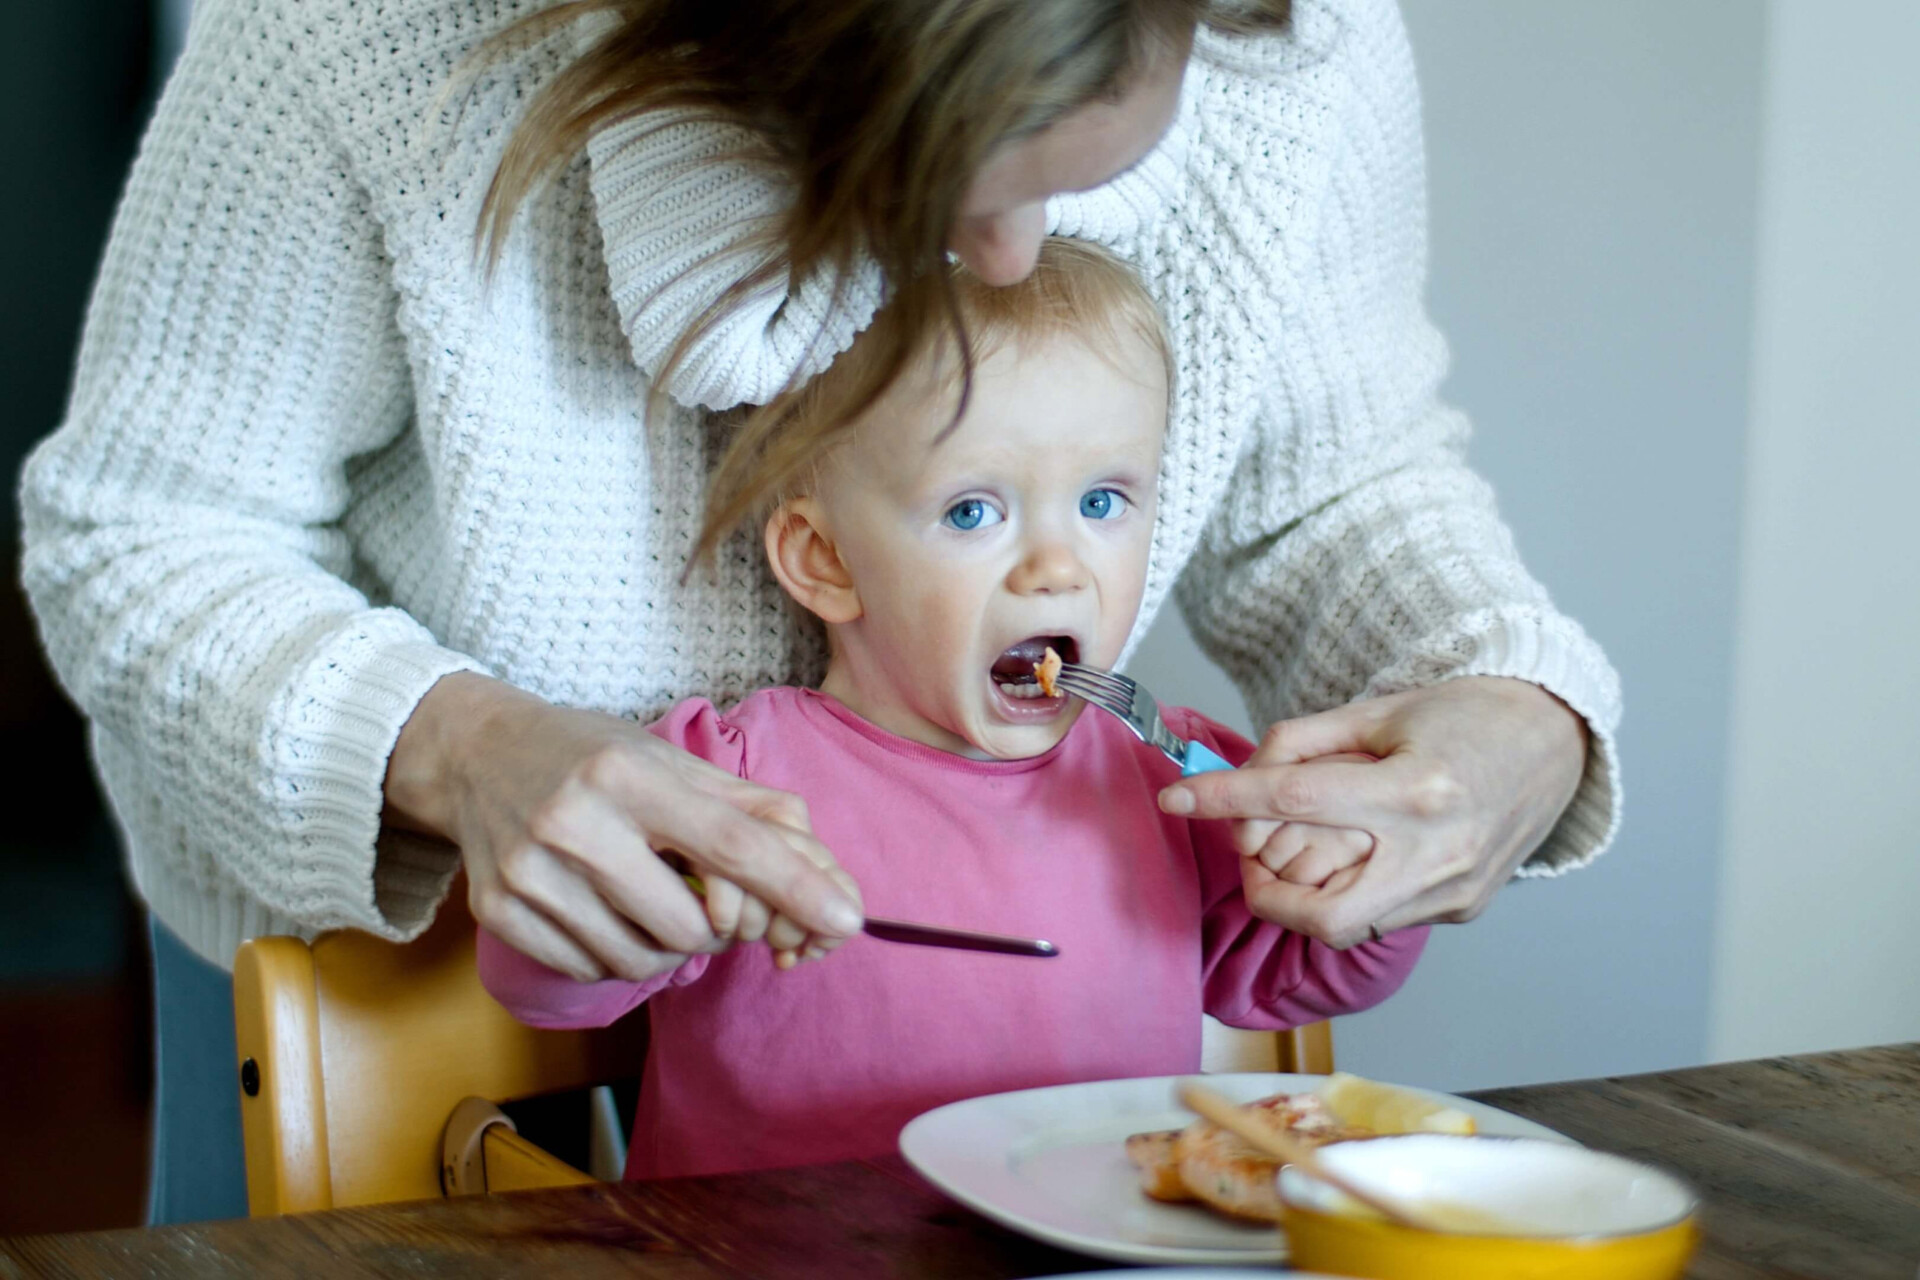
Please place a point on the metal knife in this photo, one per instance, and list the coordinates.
(931, 935)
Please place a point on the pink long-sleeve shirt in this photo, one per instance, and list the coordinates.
(752, 1068)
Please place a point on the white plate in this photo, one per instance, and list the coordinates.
(1052, 1164)
(1192, 1273)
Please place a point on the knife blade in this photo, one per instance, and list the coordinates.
(929, 935)
(932, 935)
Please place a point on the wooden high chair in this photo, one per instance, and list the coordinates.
(1307, 1049)
(368, 1070)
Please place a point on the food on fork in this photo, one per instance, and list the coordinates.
(1047, 670)
(1229, 1175)
(1030, 668)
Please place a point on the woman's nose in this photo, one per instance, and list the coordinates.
(1049, 568)
(1001, 248)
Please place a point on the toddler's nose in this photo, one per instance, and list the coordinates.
(1047, 569)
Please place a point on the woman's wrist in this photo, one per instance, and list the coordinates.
(424, 769)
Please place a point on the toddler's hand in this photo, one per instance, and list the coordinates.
(1472, 774)
(738, 916)
(1269, 897)
(1303, 852)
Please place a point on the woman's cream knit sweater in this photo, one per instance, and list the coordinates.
(311, 465)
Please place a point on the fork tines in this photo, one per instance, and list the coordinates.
(1126, 701)
(1104, 689)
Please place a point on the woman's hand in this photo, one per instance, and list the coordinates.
(1471, 776)
(1302, 852)
(559, 815)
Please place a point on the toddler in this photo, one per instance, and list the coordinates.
(943, 556)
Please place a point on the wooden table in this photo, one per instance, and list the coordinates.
(1810, 1167)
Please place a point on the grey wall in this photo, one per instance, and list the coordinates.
(1592, 172)
(1821, 876)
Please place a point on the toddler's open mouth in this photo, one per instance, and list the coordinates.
(1014, 672)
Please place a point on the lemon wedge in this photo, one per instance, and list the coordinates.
(1386, 1108)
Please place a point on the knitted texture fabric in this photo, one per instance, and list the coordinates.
(314, 461)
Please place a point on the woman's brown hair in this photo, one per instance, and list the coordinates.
(877, 113)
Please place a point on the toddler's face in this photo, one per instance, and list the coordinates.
(1029, 524)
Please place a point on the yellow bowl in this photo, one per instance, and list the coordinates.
(1522, 1208)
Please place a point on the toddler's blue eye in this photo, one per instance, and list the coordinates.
(970, 513)
(1101, 504)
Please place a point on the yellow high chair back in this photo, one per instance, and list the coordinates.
(368, 1070)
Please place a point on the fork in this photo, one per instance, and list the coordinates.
(1119, 696)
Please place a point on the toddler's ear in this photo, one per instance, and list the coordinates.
(807, 563)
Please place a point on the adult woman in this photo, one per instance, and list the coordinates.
(342, 541)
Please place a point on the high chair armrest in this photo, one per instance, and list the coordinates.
(481, 1152)
(283, 1107)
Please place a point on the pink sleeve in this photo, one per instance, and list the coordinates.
(1257, 974)
(543, 997)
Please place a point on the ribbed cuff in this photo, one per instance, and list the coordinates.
(326, 754)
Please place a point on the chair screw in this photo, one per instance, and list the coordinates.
(250, 1078)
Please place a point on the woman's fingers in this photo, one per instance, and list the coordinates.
(1352, 730)
(827, 942)
(563, 816)
(614, 941)
(524, 929)
(1332, 913)
(779, 864)
(788, 950)
(1252, 835)
(616, 863)
(1328, 793)
(1397, 885)
(574, 894)
(1455, 900)
(628, 810)
(1471, 777)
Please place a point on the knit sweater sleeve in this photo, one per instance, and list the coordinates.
(1356, 554)
(182, 546)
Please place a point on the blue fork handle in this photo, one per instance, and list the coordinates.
(1201, 760)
